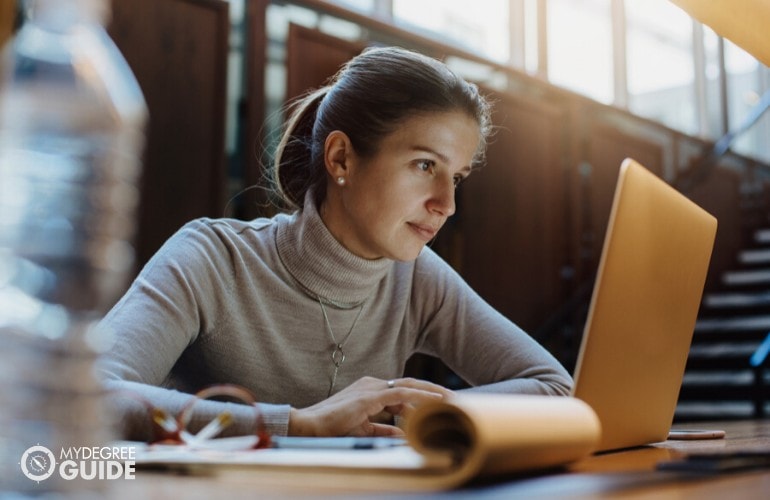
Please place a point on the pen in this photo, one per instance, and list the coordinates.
(336, 443)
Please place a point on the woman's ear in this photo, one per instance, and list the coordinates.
(338, 155)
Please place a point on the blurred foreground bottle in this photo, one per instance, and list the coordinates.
(72, 123)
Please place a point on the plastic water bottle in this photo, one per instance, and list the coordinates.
(72, 121)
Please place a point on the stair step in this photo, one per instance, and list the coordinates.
(732, 385)
(754, 256)
(749, 277)
(722, 393)
(739, 328)
(762, 236)
(690, 411)
(737, 300)
(729, 377)
(727, 354)
(724, 349)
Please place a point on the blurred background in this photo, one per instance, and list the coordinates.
(578, 84)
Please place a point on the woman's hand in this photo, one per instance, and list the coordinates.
(349, 412)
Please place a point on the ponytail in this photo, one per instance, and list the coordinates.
(297, 167)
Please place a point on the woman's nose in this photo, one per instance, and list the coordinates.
(442, 200)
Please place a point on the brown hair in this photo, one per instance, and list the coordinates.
(367, 99)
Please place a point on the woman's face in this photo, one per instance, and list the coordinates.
(395, 202)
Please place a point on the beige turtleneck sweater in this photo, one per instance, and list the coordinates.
(227, 301)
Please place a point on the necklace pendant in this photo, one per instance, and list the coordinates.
(338, 356)
(334, 380)
(338, 353)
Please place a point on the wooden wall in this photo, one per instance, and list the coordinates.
(326, 52)
(7, 17)
(178, 50)
(718, 195)
(604, 148)
(512, 216)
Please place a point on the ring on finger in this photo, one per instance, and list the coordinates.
(391, 384)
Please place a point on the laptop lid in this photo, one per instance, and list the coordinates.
(643, 309)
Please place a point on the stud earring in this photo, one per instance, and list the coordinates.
(341, 181)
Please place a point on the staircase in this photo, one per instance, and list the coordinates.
(728, 369)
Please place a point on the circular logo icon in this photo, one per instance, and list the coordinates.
(38, 463)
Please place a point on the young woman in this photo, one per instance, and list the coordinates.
(317, 311)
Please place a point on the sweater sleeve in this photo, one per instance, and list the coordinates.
(173, 302)
(481, 345)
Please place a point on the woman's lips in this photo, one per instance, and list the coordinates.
(424, 231)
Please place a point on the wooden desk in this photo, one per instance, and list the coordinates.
(624, 474)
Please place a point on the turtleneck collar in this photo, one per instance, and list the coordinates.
(320, 263)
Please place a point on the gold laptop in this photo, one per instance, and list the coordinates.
(645, 302)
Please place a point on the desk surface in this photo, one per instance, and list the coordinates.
(623, 474)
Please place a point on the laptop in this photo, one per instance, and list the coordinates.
(643, 309)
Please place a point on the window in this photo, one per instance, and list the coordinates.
(661, 75)
(747, 80)
(580, 47)
(482, 29)
(647, 56)
(367, 6)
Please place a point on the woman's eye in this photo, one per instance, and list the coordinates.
(426, 165)
(458, 179)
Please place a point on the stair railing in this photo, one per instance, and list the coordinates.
(759, 361)
(703, 165)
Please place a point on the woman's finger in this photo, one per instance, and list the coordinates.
(386, 430)
(399, 396)
(414, 383)
(402, 410)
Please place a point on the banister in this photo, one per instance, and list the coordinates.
(758, 362)
(703, 165)
(761, 355)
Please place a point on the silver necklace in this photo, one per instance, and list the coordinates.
(338, 351)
